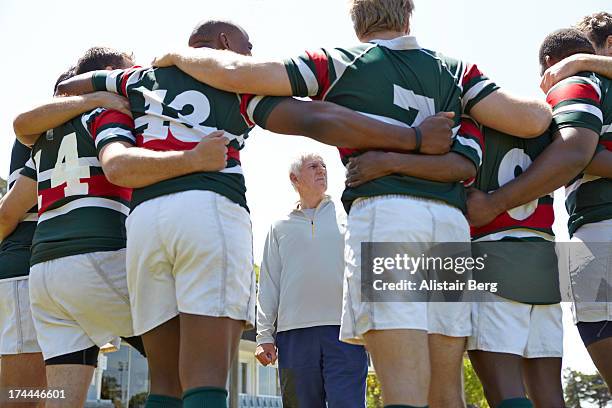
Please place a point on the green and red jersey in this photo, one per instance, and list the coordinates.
(585, 101)
(173, 111)
(79, 210)
(398, 82)
(525, 266)
(15, 249)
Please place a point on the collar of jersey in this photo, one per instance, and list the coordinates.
(406, 42)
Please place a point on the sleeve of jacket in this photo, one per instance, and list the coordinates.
(269, 290)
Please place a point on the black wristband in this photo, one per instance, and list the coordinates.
(418, 139)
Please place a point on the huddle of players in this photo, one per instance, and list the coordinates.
(190, 296)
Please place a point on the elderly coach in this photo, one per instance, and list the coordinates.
(300, 290)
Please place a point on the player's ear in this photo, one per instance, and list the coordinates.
(224, 41)
(547, 59)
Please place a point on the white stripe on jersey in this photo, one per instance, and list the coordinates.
(385, 119)
(83, 162)
(251, 107)
(82, 203)
(606, 129)
(232, 170)
(573, 79)
(474, 91)
(473, 144)
(85, 118)
(308, 76)
(349, 64)
(113, 132)
(111, 80)
(516, 233)
(13, 176)
(586, 178)
(580, 107)
(339, 61)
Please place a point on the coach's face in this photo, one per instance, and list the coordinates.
(313, 176)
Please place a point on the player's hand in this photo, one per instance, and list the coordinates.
(482, 208)
(164, 60)
(266, 353)
(437, 133)
(561, 70)
(210, 154)
(368, 166)
(112, 101)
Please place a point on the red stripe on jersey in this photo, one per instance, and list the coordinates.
(542, 218)
(244, 104)
(98, 186)
(164, 145)
(109, 117)
(470, 73)
(607, 144)
(344, 152)
(125, 76)
(321, 63)
(233, 153)
(470, 128)
(572, 91)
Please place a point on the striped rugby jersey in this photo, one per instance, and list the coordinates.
(15, 249)
(173, 111)
(398, 82)
(79, 210)
(585, 101)
(525, 267)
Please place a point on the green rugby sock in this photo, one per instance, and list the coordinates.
(205, 397)
(163, 401)
(516, 403)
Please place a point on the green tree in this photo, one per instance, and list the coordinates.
(2, 186)
(574, 389)
(474, 394)
(138, 400)
(373, 395)
(581, 387)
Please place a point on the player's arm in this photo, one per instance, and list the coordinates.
(135, 167)
(268, 298)
(500, 110)
(338, 126)
(15, 204)
(31, 124)
(574, 64)
(230, 72)
(77, 85)
(601, 165)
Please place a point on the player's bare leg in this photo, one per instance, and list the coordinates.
(500, 375)
(401, 359)
(208, 346)
(162, 348)
(74, 379)
(600, 354)
(446, 359)
(543, 381)
(22, 371)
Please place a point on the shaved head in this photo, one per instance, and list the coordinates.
(221, 35)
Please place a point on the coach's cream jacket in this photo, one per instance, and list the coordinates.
(300, 283)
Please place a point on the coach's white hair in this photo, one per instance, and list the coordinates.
(298, 162)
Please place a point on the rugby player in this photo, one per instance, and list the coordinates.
(80, 236)
(340, 75)
(582, 110)
(21, 362)
(192, 295)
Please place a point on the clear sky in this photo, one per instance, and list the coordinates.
(40, 39)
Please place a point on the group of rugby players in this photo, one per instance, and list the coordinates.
(126, 215)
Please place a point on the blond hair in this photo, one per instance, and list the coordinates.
(597, 27)
(370, 16)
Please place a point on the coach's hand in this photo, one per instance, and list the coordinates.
(266, 353)
(561, 70)
(210, 154)
(112, 101)
(482, 208)
(437, 133)
(368, 166)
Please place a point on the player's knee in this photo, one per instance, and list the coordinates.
(88, 357)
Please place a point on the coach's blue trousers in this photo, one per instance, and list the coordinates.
(315, 367)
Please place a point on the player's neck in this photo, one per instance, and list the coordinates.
(383, 35)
